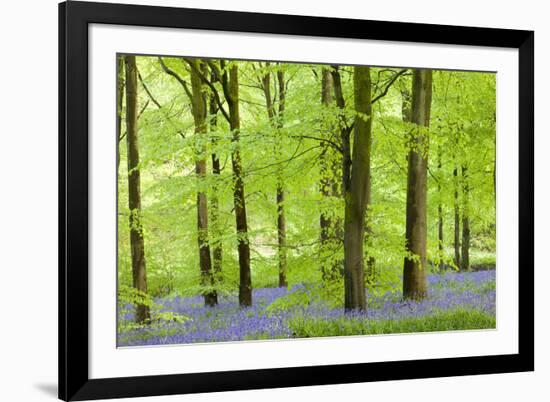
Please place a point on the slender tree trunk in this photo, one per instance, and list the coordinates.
(440, 244)
(345, 140)
(457, 219)
(119, 100)
(495, 179)
(217, 252)
(276, 119)
(281, 219)
(414, 271)
(199, 110)
(495, 167)
(137, 247)
(356, 194)
(330, 167)
(281, 236)
(465, 261)
(369, 234)
(245, 285)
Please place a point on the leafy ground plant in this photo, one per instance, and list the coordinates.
(457, 301)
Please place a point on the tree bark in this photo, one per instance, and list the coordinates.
(137, 246)
(281, 236)
(276, 119)
(281, 219)
(457, 219)
(414, 271)
(495, 168)
(440, 247)
(369, 235)
(217, 252)
(356, 194)
(229, 79)
(120, 100)
(331, 231)
(245, 285)
(344, 130)
(465, 261)
(199, 110)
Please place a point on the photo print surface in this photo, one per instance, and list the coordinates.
(262, 200)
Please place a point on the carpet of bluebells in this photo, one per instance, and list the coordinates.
(453, 297)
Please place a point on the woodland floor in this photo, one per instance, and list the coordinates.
(456, 301)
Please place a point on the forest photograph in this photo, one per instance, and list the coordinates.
(270, 200)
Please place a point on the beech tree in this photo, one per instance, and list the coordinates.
(356, 188)
(281, 220)
(456, 242)
(275, 115)
(415, 266)
(440, 219)
(230, 82)
(120, 100)
(330, 184)
(217, 245)
(137, 246)
(228, 76)
(465, 257)
(199, 110)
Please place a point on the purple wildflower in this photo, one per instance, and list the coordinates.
(227, 322)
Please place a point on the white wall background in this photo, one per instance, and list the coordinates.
(28, 198)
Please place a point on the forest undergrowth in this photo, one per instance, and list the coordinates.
(457, 301)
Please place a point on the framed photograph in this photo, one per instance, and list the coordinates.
(258, 201)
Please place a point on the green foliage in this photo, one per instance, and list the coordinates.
(299, 298)
(132, 296)
(129, 298)
(462, 133)
(169, 316)
(304, 327)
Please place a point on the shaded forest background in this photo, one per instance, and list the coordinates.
(318, 158)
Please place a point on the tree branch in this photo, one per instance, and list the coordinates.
(294, 156)
(180, 132)
(387, 88)
(335, 145)
(177, 77)
(148, 92)
(211, 85)
(221, 77)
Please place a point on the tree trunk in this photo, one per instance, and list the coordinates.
(330, 188)
(281, 236)
(440, 247)
(344, 130)
(414, 271)
(245, 285)
(199, 111)
(276, 119)
(457, 219)
(465, 261)
(217, 252)
(356, 194)
(137, 247)
(369, 234)
(495, 167)
(281, 219)
(119, 100)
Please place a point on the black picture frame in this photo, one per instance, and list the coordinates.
(74, 381)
